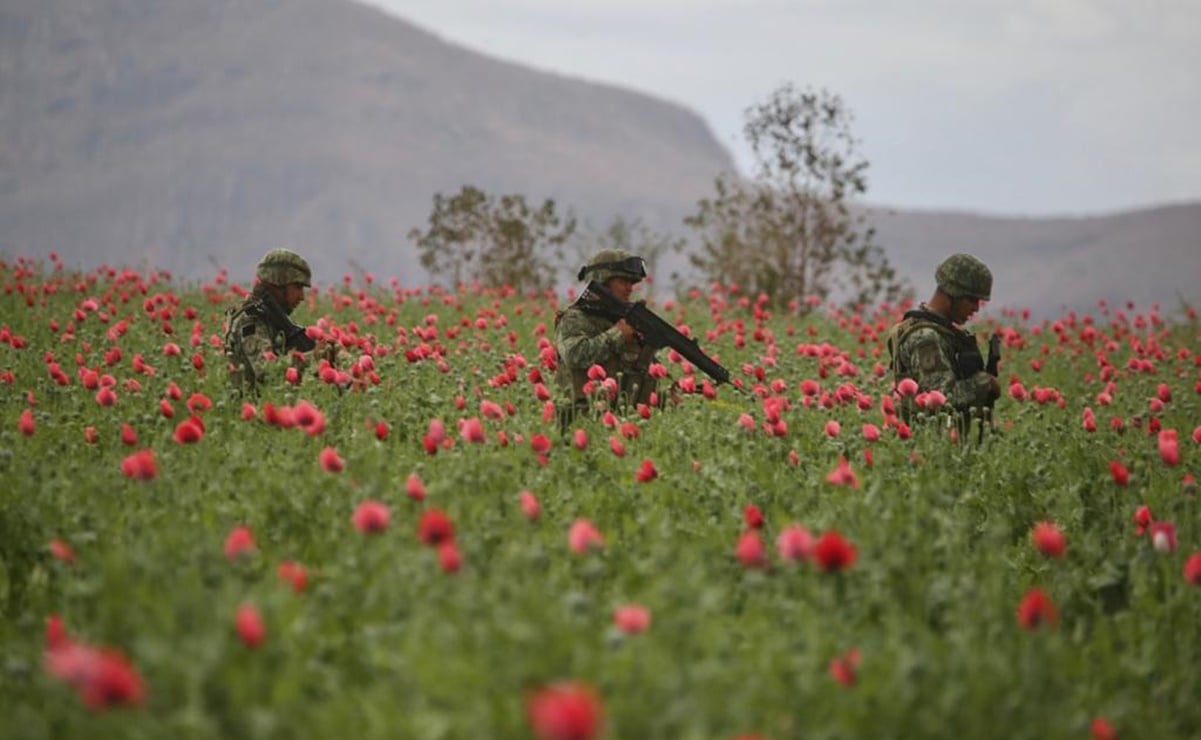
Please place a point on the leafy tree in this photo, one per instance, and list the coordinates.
(495, 241)
(790, 232)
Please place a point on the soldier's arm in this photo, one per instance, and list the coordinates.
(931, 363)
(579, 348)
(256, 343)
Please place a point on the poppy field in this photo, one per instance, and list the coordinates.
(404, 544)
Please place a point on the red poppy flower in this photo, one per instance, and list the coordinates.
(294, 574)
(140, 465)
(239, 541)
(330, 461)
(187, 432)
(1163, 536)
(1120, 474)
(60, 550)
(249, 625)
(371, 517)
(449, 558)
(750, 550)
(1036, 609)
(843, 667)
(647, 472)
(1192, 569)
(435, 527)
(565, 711)
(1049, 539)
(1142, 519)
(752, 516)
(832, 552)
(1103, 730)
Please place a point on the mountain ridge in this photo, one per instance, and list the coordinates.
(187, 135)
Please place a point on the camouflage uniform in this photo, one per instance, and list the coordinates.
(926, 347)
(584, 337)
(259, 331)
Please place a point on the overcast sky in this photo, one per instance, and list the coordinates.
(1001, 106)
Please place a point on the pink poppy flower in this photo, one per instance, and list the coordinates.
(632, 619)
(842, 475)
(249, 625)
(529, 505)
(239, 542)
(1163, 536)
(584, 536)
(1169, 447)
(331, 461)
(414, 487)
(26, 424)
(371, 517)
(794, 543)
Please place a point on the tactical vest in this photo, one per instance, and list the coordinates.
(631, 368)
(258, 309)
(966, 359)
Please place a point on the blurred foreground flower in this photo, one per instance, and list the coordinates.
(584, 536)
(140, 465)
(239, 542)
(249, 625)
(632, 618)
(102, 677)
(371, 517)
(1049, 539)
(1036, 609)
(832, 552)
(565, 711)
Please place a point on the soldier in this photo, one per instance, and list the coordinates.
(929, 347)
(259, 331)
(584, 337)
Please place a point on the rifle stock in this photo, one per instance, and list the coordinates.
(655, 332)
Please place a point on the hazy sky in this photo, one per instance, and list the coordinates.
(1001, 106)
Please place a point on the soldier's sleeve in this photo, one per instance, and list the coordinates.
(930, 358)
(256, 342)
(580, 346)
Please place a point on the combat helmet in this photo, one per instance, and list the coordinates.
(283, 267)
(964, 275)
(611, 263)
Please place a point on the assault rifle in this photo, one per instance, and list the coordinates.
(295, 335)
(654, 331)
(990, 367)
